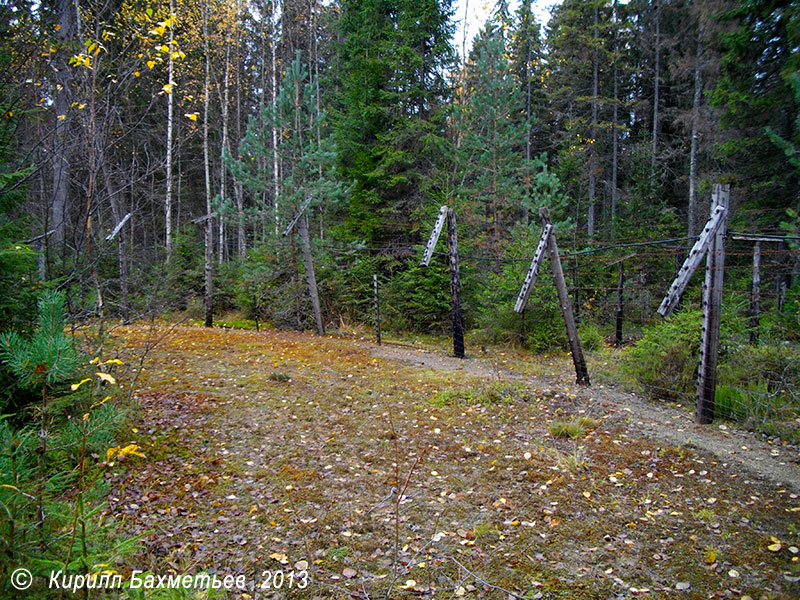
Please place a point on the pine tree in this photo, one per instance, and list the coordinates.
(491, 161)
(526, 53)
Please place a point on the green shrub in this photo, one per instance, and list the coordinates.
(591, 337)
(664, 362)
(756, 385)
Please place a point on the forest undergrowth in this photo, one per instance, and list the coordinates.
(283, 452)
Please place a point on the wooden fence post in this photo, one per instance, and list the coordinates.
(712, 310)
(455, 286)
(377, 309)
(620, 283)
(620, 289)
(582, 374)
(755, 294)
(305, 245)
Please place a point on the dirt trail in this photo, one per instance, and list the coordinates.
(748, 454)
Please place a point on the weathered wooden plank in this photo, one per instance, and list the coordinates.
(377, 309)
(755, 294)
(300, 212)
(437, 230)
(533, 271)
(692, 261)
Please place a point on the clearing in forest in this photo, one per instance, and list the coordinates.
(394, 473)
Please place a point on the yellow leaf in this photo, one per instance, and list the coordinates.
(62, 117)
(117, 452)
(776, 547)
(103, 401)
(410, 583)
(151, 64)
(113, 361)
(192, 116)
(281, 558)
(711, 557)
(75, 386)
(136, 74)
(164, 48)
(167, 88)
(106, 377)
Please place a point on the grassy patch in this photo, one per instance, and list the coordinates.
(574, 428)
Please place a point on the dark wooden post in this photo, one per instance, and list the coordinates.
(620, 283)
(620, 289)
(712, 310)
(582, 374)
(755, 294)
(377, 309)
(455, 285)
(305, 245)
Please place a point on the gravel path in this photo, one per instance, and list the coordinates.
(746, 454)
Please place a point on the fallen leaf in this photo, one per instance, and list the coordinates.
(281, 558)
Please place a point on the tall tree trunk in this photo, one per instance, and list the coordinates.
(615, 125)
(170, 117)
(117, 211)
(590, 226)
(223, 175)
(528, 115)
(698, 94)
(275, 174)
(59, 208)
(656, 85)
(238, 191)
(208, 236)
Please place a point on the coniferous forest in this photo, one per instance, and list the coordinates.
(171, 171)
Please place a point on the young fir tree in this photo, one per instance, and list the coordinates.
(578, 60)
(526, 56)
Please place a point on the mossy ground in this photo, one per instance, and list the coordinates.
(245, 470)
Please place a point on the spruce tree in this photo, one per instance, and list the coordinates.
(755, 96)
(389, 119)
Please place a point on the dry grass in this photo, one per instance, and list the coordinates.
(246, 467)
